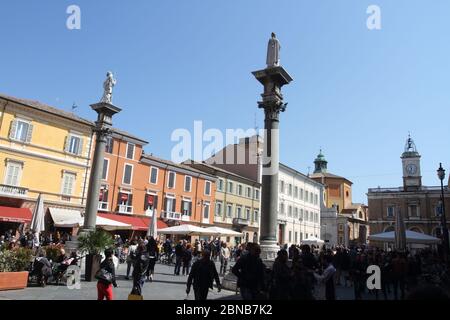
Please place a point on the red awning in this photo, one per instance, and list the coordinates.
(138, 223)
(18, 215)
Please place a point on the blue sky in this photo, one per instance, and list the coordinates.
(356, 93)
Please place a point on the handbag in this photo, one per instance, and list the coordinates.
(104, 275)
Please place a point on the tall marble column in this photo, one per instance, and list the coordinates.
(273, 77)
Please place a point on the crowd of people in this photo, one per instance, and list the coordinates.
(298, 273)
(26, 239)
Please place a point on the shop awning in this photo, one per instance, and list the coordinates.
(66, 218)
(18, 215)
(137, 223)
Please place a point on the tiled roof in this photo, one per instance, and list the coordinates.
(326, 175)
(46, 108)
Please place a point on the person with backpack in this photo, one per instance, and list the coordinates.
(106, 277)
(202, 275)
(131, 257)
(250, 271)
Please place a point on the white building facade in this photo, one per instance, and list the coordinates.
(299, 201)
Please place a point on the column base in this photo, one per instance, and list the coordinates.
(269, 250)
(84, 230)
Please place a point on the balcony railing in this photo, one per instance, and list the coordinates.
(175, 216)
(241, 222)
(12, 190)
(125, 209)
(102, 206)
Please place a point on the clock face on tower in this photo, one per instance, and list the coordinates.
(411, 169)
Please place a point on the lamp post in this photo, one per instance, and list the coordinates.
(441, 176)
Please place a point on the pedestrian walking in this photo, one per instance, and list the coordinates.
(106, 277)
(225, 255)
(131, 257)
(327, 278)
(152, 250)
(281, 277)
(202, 276)
(179, 252)
(187, 259)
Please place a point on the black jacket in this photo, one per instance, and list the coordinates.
(250, 272)
(203, 273)
(141, 264)
(108, 265)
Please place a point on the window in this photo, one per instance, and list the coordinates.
(256, 216)
(103, 198)
(170, 204)
(341, 227)
(296, 237)
(296, 213)
(306, 215)
(186, 207)
(290, 211)
(171, 180)
(301, 194)
(207, 188)
(301, 236)
(105, 169)
(341, 240)
(290, 189)
(73, 144)
(218, 208)
(220, 185)
(127, 174)
(257, 194)
(154, 175)
(151, 202)
(316, 199)
(21, 130)
(130, 151)
(282, 208)
(125, 202)
(109, 145)
(229, 210)
(306, 196)
(13, 173)
(296, 192)
(282, 186)
(206, 211)
(290, 236)
(248, 192)
(239, 190)
(187, 183)
(301, 214)
(247, 214)
(438, 209)
(414, 211)
(230, 187)
(238, 212)
(390, 211)
(68, 183)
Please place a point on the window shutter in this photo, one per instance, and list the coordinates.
(80, 147)
(12, 129)
(155, 202)
(190, 208)
(29, 133)
(130, 199)
(174, 205)
(67, 144)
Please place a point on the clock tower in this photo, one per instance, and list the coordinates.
(412, 179)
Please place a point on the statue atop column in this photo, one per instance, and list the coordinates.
(273, 52)
(108, 86)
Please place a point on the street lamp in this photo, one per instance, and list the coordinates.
(441, 176)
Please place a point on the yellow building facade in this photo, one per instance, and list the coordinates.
(45, 151)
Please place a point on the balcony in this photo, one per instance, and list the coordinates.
(240, 222)
(102, 206)
(169, 215)
(12, 190)
(125, 209)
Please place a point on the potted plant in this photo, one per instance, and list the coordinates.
(14, 266)
(94, 243)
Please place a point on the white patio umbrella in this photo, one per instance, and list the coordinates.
(185, 229)
(313, 240)
(153, 226)
(411, 237)
(217, 231)
(37, 220)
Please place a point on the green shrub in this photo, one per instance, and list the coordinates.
(16, 260)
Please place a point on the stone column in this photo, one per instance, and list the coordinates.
(272, 78)
(102, 130)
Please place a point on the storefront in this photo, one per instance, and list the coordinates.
(15, 219)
